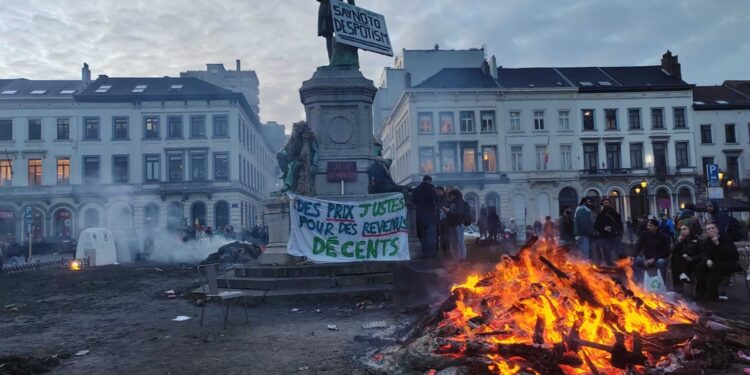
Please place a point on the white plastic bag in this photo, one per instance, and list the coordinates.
(654, 282)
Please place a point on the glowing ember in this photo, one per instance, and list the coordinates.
(544, 302)
(75, 265)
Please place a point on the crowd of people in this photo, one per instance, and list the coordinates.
(441, 216)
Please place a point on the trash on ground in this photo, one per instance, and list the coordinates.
(234, 253)
(180, 318)
(170, 294)
(304, 368)
(318, 311)
(158, 269)
(332, 327)
(11, 307)
(82, 352)
(741, 355)
(294, 309)
(376, 324)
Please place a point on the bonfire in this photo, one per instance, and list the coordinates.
(548, 311)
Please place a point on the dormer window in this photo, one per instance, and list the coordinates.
(175, 88)
(140, 88)
(585, 83)
(103, 88)
(67, 92)
(605, 83)
(38, 92)
(722, 102)
(8, 92)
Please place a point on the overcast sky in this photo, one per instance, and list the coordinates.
(278, 39)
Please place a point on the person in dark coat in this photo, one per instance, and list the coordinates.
(687, 216)
(686, 256)
(718, 217)
(565, 225)
(424, 197)
(720, 260)
(651, 250)
(454, 217)
(610, 228)
(493, 223)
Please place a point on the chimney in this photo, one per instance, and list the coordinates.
(238, 64)
(493, 67)
(671, 65)
(437, 47)
(407, 80)
(485, 67)
(85, 74)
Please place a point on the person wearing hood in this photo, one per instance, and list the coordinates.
(718, 217)
(686, 257)
(425, 198)
(687, 217)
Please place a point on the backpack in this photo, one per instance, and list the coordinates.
(466, 214)
(734, 229)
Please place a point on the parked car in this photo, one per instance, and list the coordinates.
(51, 245)
(471, 234)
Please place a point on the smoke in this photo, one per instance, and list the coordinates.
(168, 247)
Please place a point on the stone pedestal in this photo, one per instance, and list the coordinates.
(338, 104)
(276, 216)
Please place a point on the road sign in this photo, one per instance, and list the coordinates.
(28, 216)
(712, 172)
(715, 193)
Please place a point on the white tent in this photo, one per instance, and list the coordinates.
(98, 245)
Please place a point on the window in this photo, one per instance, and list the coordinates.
(35, 130)
(120, 170)
(197, 126)
(733, 167)
(448, 158)
(515, 121)
(469, 157)
(730, 135)
(426, 160)
(139, 88)
(564, 120)
(489, 159)
(103, 88)
(174, 127)
(541, 152)
(681, 149)
(612, 151)
(197, 166)
(63, 128)
(634, 118)
(590, 156)
(6, 172)
(221, 167)
(706, 134)
(588, 119)
(175, 166)
(516, 158)
(91, 169)
(120, 128)
(566, 157)
(35, 172)
(91, 128)
(63, 171)
(151, 127)
(538, 120)
(636, 155)
(610, 119)
(446, 122)
(657, 118)
(707, 160)
(221, 126)
(425, 122)
(152, 168)
(488, 121)
(6, 130)
(679, 118)
(467, 121)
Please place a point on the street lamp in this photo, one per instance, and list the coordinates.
(637, 190)
(721, 175)
(644, 183)
(729, 183)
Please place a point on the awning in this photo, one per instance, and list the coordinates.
(729, 204)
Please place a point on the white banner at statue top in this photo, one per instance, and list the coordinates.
(361, 28)
(349, 231)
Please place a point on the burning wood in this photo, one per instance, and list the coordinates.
(545, 312)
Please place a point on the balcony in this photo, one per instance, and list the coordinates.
(608, 172)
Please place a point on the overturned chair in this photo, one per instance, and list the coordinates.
(209, 274)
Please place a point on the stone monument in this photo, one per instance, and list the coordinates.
(338, 106)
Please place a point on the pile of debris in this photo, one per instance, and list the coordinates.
(545, 311)
(14, 364)
(234, 253)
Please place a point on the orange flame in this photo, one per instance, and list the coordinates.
(526, 295)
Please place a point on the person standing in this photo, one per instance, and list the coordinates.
(549, 230)
(651, 250)
(610, 228)
(718, 217)
(720, 259)
(513, 230)
(424, 197)
(482, 224)
(566, 227)
(442, 225)
(493, 223)
(583, 226)
(455, 214)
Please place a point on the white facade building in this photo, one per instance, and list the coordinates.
(129, 154)
(528, 141)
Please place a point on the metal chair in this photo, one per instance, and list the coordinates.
(209, 274)
(745, 264)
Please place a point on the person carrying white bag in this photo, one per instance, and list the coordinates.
(651, 252)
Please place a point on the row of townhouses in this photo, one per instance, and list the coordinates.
(131, 154)
(526, 142)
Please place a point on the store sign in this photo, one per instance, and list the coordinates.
(341, 171)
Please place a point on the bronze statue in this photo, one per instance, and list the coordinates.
(298, 160)
(379, 175)
(339, 54)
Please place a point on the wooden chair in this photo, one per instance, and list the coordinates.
(209, 274)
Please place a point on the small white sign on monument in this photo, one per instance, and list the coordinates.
(361, 28)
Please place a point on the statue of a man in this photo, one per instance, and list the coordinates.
(339, 54)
